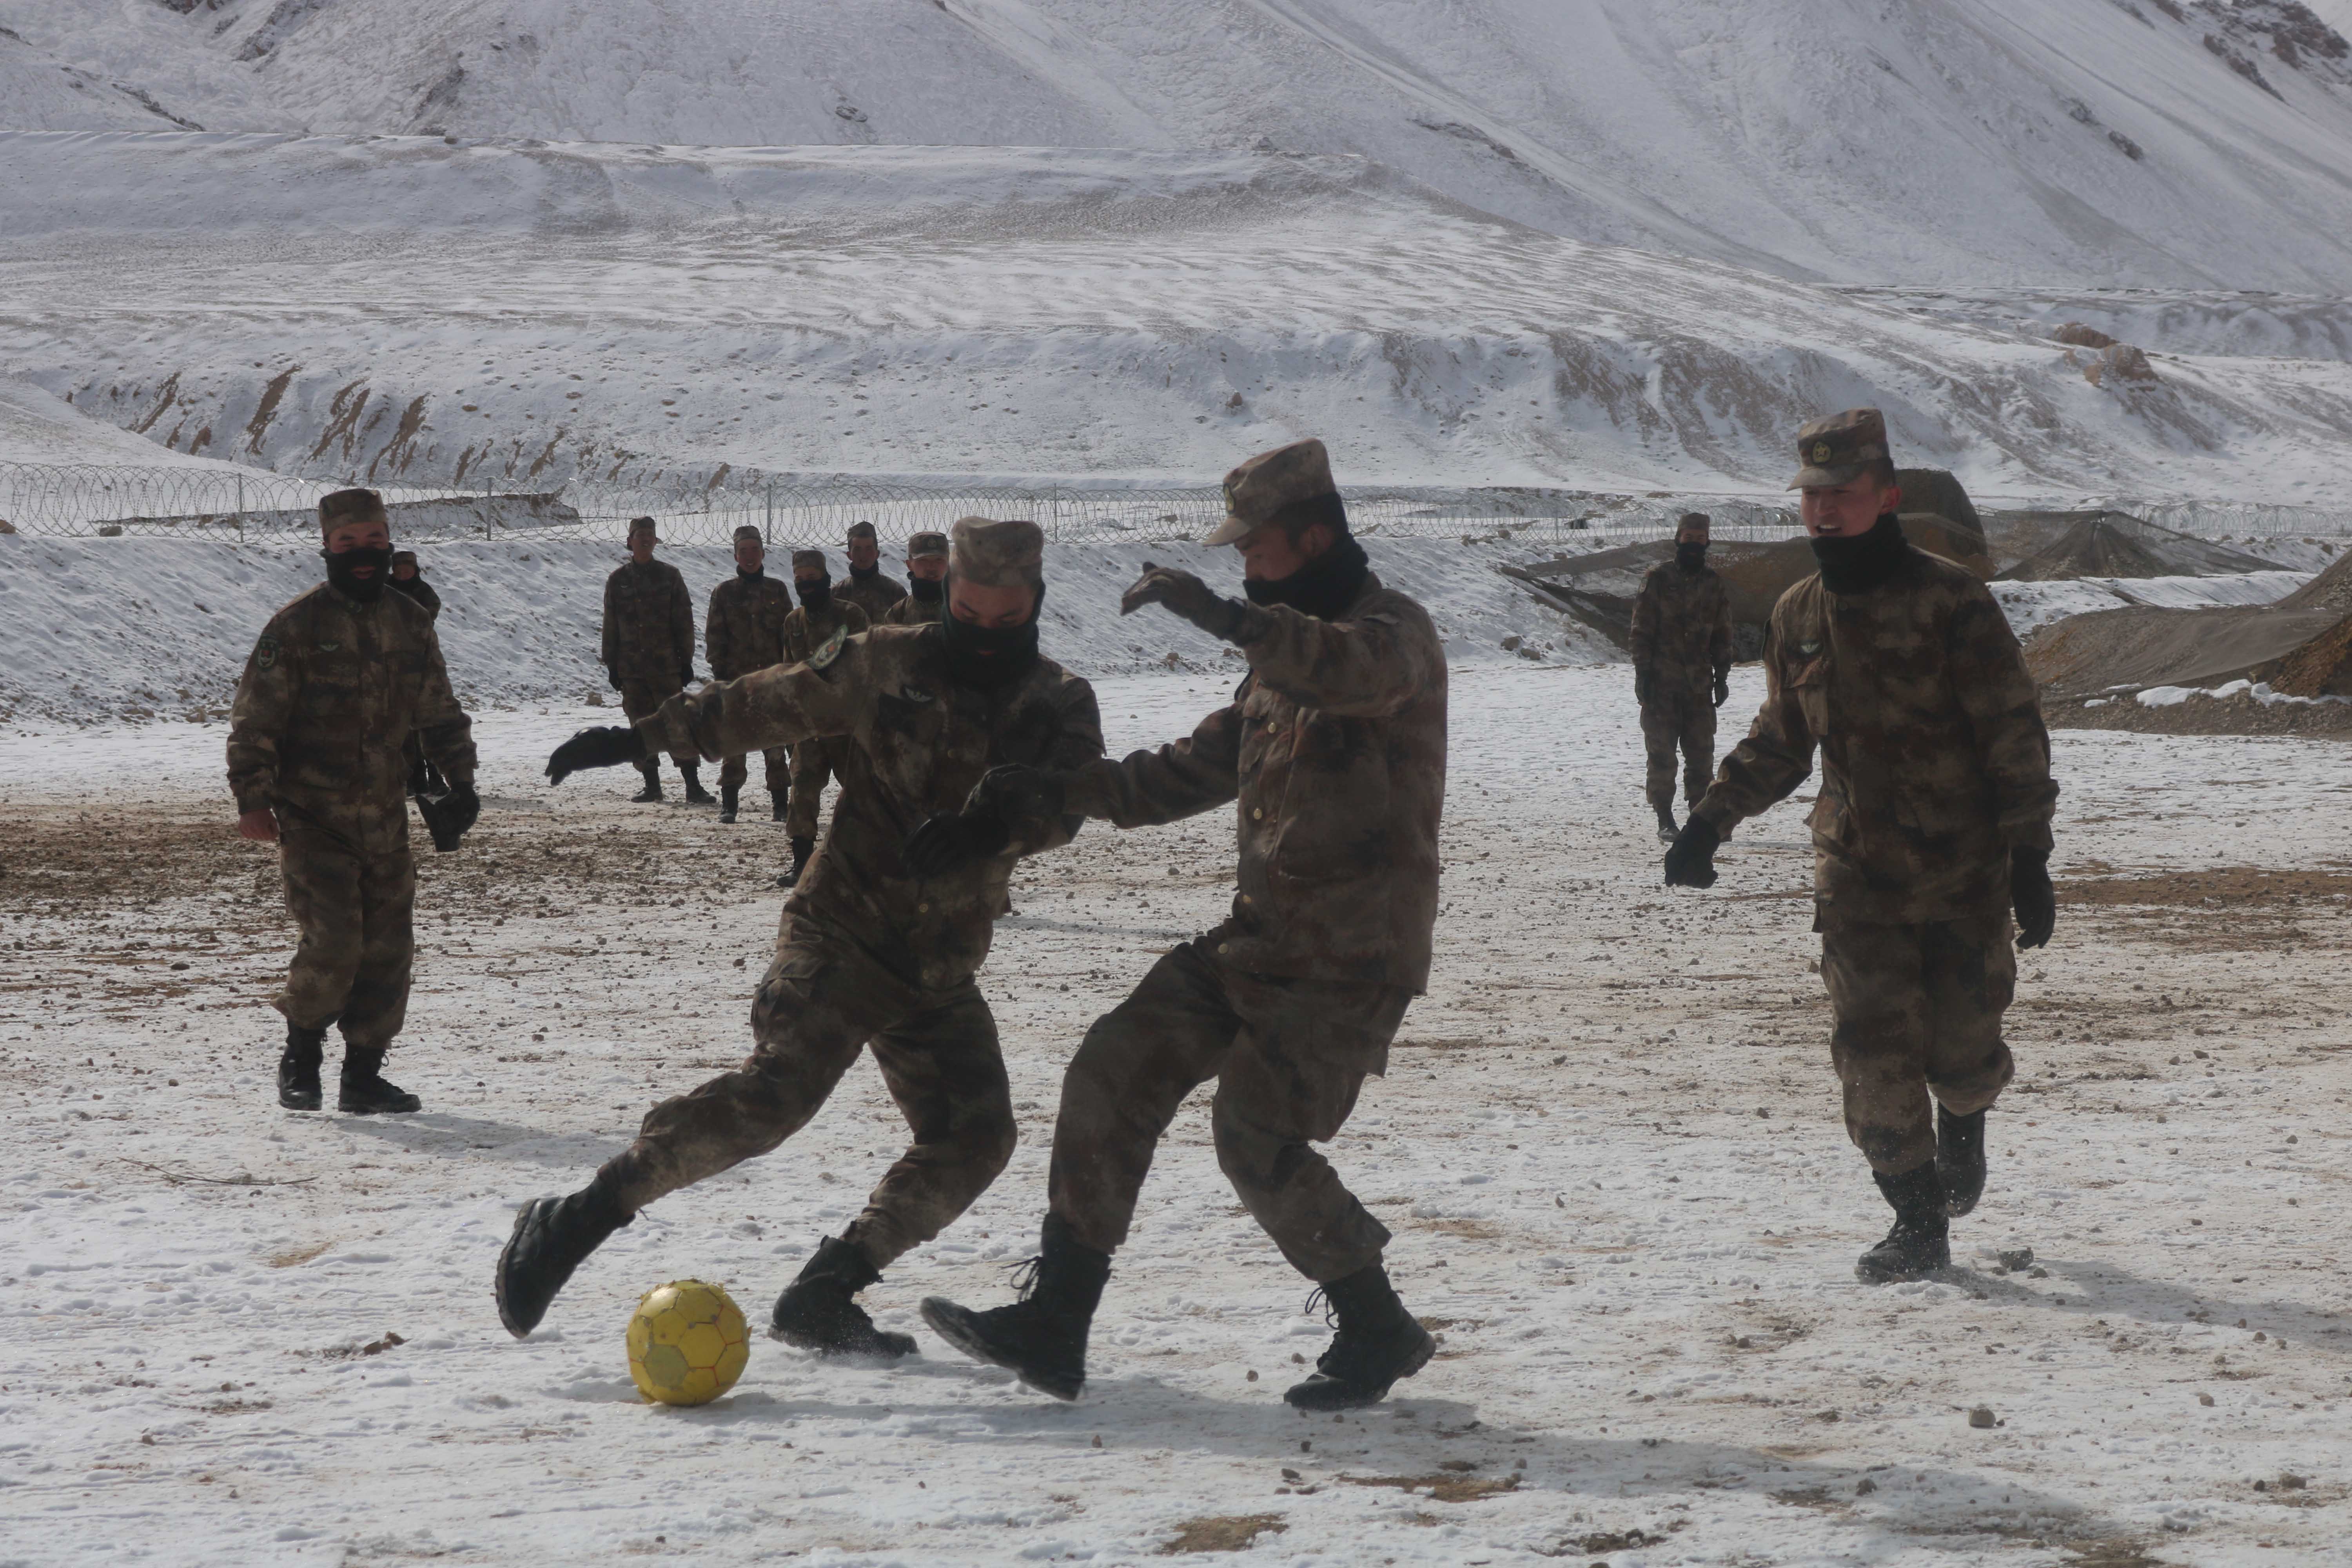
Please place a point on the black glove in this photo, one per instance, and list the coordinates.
(1188, 596)
(1017, 793)
(614, 675)
(2031, 894)
(685, 678)
(606, 747)
(1690, 860)
(948, 841)
(1722, 689)
(1642, 688)
(448, 813)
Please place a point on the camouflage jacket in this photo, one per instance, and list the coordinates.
(418, 589)
(328, 700)
(804, 633)
(1682, 629)
(1335, 747)
(875, 596)
(1934, 759)
(911, 743)
(745, 628)
(648, 625)
(913, 611)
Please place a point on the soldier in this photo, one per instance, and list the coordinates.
(340, 679)
(875, 946)
(1335, 747)
(744, 632)
(648, 647)
(423, 778)
(815, 618)
(1682, 667)
(1932, 825)
(927, 571)
(866, 587)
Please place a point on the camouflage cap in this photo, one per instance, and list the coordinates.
(811, 558)
(859, 530)
(403, 558)
(925, 546)
(1836, 451)
(637, 522)
(1269, 482)
(751, 531)
(988, 554)
(1693, 520)
(349, 506)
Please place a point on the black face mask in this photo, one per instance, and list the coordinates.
(1861, 562)
(926, 590)
(341, 562)
(986, 657)
(815, 593)
(1323, 588)
(1690, 557)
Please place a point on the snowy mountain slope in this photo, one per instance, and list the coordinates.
(38, 88)
(403, 308)
(36, 427)
(1957, 142)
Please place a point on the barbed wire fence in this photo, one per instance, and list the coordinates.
(93, 500)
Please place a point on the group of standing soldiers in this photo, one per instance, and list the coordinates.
(962, 750)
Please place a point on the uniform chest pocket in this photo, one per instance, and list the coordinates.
(1809, 682)
(1267, 724)
(330, 686)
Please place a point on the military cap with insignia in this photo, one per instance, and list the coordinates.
(637, 522)
(925, 546)
(988, 553)
(341, 507)
(751, 531)
(860, 530)
(1289, 484)
(1836, 451)
(815, 558)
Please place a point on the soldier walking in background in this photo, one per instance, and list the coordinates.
(866, 587)
(1933, 825)
(337, 684)
(926, 571)
(648, 647)
(744, 632)
(881, 941)
(1335, 747)
(1682, 667)
(809, 626)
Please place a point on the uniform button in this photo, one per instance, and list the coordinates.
(1246, 898)
(1257, 812)
(1224, 947)
(922, 908)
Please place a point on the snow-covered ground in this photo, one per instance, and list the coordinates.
(1608, 1144)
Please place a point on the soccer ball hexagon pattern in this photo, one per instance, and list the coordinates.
(686, 1342)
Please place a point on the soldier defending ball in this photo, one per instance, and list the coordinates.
(1933, 825)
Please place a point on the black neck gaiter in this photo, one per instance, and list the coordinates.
(926, 590)
(1690, 557)
(1323, 588)
(366, 590)
(749, 573)
(815, 593)
(864, 575)
(987, 657)
(1858, 564)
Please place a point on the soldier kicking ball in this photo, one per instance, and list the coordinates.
(876, 947)
(1932, 825)
(1334, 747)
(338, 683)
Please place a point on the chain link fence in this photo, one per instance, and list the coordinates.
(105, 500)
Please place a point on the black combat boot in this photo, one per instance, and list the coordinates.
(1960, 1160)
(776, 812)
(726, 798)
(1920, 1243)
(552, 1237)
(1668, 829)
(801, 850)
(298, 1069)
(817, 1312)
(1043, 1336)
(695, 794)
(364, 1092)
(1378, 1343)
(652, 792)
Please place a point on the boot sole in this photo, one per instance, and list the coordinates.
(348, 1109)
(507, 1318)
(1344, 1395)
(1873, 1276)
(886, 1347)
(300, 1102)
(952, 1323)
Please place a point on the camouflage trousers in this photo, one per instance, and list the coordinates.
(733, 771)
(1672, 719)
(1917, 1011)
(354, 910)
(1289, 1057)
(813, 768)
(825, 999)
(639, 700)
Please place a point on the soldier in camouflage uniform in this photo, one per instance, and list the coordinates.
(1681, 666)
(648, 647)
(879, 942)
(819, 615)
(1334, 748)
(337, 684)
(1933, 825)
(744, 632)
(866, 587)
(927, 574)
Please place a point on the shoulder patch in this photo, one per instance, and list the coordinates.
(1809, 647)
(265, 652)
(830, 649)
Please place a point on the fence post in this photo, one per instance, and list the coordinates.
(489, 492)
(240, 508)
(768, 528)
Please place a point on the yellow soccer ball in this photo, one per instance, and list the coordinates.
(686, 1342)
